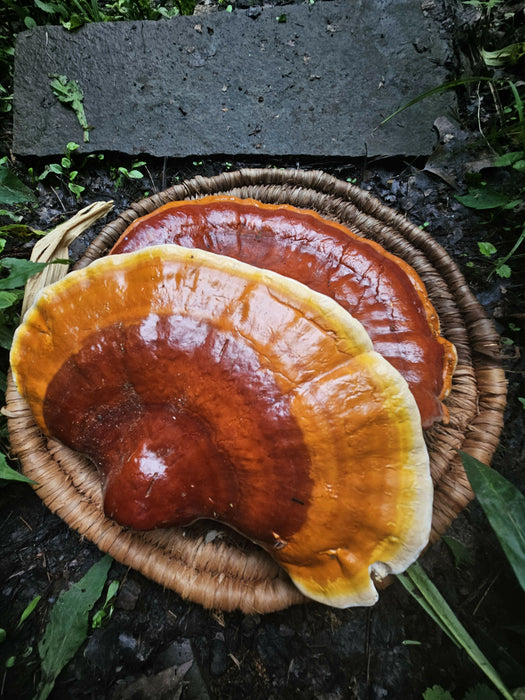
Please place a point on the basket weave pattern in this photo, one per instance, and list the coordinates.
(210, 564)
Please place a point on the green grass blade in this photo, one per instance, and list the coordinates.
(28, 610)
(450, 623)
(509, 255)
(504, 507)
(436, 91)
(415, 593)
(519, 109)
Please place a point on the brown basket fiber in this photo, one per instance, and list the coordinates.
(206, 562)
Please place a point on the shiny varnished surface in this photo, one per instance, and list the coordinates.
(377, 288)
(205, 430)
(204, 387)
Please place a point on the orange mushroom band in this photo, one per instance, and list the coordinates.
(376, 287)
(203, 387)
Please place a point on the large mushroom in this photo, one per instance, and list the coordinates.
(376, 287)
(203, 387)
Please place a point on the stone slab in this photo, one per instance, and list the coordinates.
(317, 84)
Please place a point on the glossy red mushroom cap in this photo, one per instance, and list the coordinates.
(203, 387)
(376, 287)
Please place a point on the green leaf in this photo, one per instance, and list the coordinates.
(507, 56)
(13, 217)
(187, 7)
(74, 22)
(29, 609)
(63, 88)
(6, 337)
(19, 272)
(107, 609)
(483, 198)
(20, 231)
(437, 693)
(76, 189)
(46, 7)
(486, 249)
(487, 4)
(135, 174)
(168, 14)
(70, 93)
(11, 474)
(54, 168)
(7, 299)
(503, 271)
(513, 203)
(504, 507)
(462, 554)
(67, 628)
(98, 619)
(112, 590)
(507, 159)
(12, 189)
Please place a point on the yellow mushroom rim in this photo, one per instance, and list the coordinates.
(203, 387)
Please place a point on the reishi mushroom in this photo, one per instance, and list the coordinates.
(203, 387)
(376, 287)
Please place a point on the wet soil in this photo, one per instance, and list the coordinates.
(156, 645)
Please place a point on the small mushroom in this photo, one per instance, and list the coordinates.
(376, 287)
(203, 387)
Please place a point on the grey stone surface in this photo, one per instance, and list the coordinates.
(319, 83)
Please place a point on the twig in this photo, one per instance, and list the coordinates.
(58, 197)
(163, 180)
(153, 185)
(487, 589)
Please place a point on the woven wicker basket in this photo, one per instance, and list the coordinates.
(208, 563)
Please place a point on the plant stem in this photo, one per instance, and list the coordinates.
(514, 248)
(519, 108)
(417, 583)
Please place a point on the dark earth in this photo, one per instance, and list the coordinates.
(156, 645)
